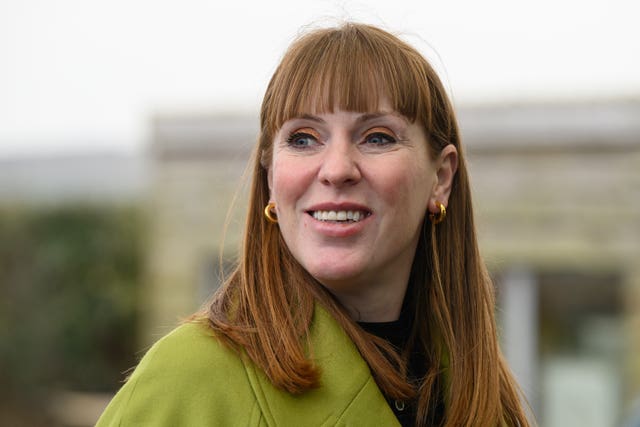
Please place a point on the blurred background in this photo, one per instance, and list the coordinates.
(125, 130)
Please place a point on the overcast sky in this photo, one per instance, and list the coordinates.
(89, 74)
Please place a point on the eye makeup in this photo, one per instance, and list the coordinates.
(303, 137)
(384, 134)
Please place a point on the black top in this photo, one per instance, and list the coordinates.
(397, 334)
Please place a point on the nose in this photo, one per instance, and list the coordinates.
(340, 163)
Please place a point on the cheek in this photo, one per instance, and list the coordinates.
(407, 184)
(290, 179)
(279, 176)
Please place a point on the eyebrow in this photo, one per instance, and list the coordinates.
(372, 116)
(361, 119)
(312, 118)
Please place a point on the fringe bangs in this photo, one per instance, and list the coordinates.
(348, 70)
(266, 308)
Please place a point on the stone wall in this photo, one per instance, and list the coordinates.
(556, 190)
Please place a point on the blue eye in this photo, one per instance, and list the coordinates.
(379, 138)
(301, 140)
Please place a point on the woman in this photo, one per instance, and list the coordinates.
(360, 297)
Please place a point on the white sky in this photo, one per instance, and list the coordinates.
(89, 74)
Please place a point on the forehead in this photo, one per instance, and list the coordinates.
(316, 111)
(325, 84)
(350, 118)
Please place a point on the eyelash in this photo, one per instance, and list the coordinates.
(296, 136)
(390, 139)
(291, 139)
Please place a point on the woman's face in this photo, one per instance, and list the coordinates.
(351, 192)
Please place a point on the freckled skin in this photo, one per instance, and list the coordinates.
(344, 160)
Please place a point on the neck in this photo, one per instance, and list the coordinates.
(378, 295)
(375, 303)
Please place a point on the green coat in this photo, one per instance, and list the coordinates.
(189, 379)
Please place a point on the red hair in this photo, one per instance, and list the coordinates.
(266, 305)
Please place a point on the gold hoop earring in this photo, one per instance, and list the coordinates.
(269, 214)
(438, 218)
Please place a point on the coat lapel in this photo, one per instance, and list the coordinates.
(348, 395)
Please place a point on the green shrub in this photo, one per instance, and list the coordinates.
(69, 285)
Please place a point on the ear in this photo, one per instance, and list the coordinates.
(446, 167)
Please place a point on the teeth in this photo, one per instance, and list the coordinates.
(353, 216)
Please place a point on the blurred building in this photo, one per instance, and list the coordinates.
(557, 190)
(557, 194)
(197, 169)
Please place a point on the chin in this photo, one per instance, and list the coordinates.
(335, 277)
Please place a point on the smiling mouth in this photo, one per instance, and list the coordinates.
(339, 216)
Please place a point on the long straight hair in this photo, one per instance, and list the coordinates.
(266, 305)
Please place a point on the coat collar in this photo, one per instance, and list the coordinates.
(347, 396)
